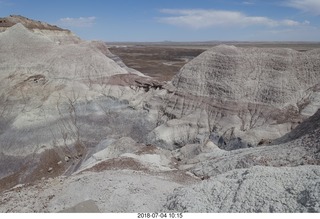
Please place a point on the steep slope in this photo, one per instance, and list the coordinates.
(240, 97)
(269, 76)
(209, 161)
(56, 34)
(11, 20)
(310, 125)
(277, 178)
(57, 103)
(38, 54)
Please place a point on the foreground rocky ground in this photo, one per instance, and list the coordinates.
(236, 130)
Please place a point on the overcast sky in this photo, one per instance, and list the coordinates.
(177, 20)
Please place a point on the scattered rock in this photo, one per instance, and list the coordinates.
(67, 158)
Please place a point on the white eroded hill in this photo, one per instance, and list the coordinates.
(80, 131)
(239, 97)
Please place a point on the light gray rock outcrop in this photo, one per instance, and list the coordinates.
(245, 95)
(59, 98)
(79, 125)
(257, 189)
(303, 148)
(55, 33)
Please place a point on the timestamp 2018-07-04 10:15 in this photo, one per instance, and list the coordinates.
(160, 215)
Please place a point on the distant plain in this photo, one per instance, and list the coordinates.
(164, 59)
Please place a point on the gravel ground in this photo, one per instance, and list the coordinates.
(110, 191)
